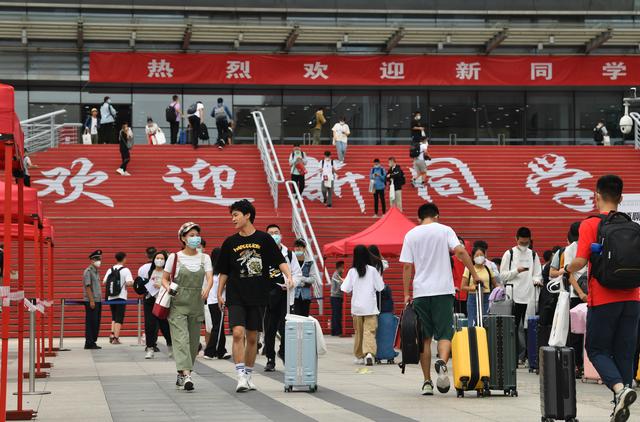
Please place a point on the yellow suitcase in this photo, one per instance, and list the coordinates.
(637, 373)
(470, 355)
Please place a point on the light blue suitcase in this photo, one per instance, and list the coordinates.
(300, 356)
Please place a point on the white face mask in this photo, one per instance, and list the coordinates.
(159, 263)
(523, 248)
(479, 260)
(97, 263)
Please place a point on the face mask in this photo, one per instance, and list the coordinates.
(523, 248)
(109, 101)
(277, 238)
(418, 117)
(97, 263)
(193, 242)
(159, 263)
(299, 253)
(376, 166)
(479, 260)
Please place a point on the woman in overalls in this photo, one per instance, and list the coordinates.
(186, 315)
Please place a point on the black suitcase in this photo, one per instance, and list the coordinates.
(410, 337)
(557, 384)
(503, 360)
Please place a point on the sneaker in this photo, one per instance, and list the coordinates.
(126, 173)
(427, 388)
(358, 361)
(625, 398)
(170, 350)
(188, 383)
(442, 382)
(252, 386)
(226, 356)
(155, 349)
(180, 382)
(369, 359)
(149, 354)
(116, 340)
(243, 385)
(207, 357)
(270, 366)
(120, 171)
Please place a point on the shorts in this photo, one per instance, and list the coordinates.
(117, 312)
(249, 317)
(436, 316)
(419, 165)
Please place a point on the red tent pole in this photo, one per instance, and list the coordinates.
(20, 287)
(8, 159)
(36, 241)
(41, 294)
(50, 297)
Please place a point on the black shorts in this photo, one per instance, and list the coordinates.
(249, 317)
(117, 313)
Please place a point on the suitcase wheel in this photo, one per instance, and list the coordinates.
(390, 361)
(313, 388)
(378, 361)
(288, 388)
(460, 393)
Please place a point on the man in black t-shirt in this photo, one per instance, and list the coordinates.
(243, 265)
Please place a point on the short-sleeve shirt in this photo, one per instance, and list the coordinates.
(246, 261)
(427, 247)
(125, 277)
(341, 130)
(598, 294)
(91, 278)
(485, 274)
(190, 262)
(336, 281)
(176, 107)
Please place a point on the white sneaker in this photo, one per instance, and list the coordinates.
(149, 354)
(126, 173)
(358, 361)
(243, 385)
(252, 386)
(120, 171)
(442, 383)
(188, 383)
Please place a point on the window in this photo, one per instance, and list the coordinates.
(452, 113)
(270, 106)
(593, 106)
(361, 111)
(500, 114)
(152, 105)
(397, 109)
(549, 117)
(298, 110)
(210, 100)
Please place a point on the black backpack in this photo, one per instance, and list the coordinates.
(170, 114)
(113, 285)
(597, 135)
(313, 122)
(192, 108)
(411, 342)
(618, 264)
(414, 151)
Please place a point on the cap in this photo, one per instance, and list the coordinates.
(96, 254)
(94, 109)
(186, 227)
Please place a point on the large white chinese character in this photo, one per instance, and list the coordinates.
(316, 70)
(541, 70)
(553, 168)
(313, 179)
(159, 69)
(199, 181)
(238, 69)
(445, 179)
(81, 179)
(469, 71)
(612, 70)
(392, 70)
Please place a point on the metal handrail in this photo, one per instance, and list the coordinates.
(636, 120)
(42, 132)
(42, 117)
(268, 155)
(303, 229)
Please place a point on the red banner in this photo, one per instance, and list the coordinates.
(381, 70)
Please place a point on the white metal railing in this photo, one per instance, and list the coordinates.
(42, 132)
(636, 128)
(302, 228)
(268, 154)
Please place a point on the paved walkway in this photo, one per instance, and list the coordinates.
(118, 384)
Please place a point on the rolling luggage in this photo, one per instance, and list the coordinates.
(503, 360)
(557, 384)
(504, 305)
(537, 337)
(385, 337)
(470, 356)
(410, 337)
(589, 372)
(460, 321)
(301, 354)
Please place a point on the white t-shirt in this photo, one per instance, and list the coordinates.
(363, 299)
(125, 278)
(427, 247)
(342, 131)
(423, 148)
(212, 299)
(327, 169)
(199, 111)
(94, 125)
(192, 263)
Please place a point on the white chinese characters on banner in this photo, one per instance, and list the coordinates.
(159, 69)
(55, 179)
(553, 168)
(237, 69)
(448, 176)
(392, 70)
(313, 179)
(541, 70)
(468, 71)
(613, 70)
(221, 177)
(316, 70)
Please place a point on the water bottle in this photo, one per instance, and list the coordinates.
(596, 248)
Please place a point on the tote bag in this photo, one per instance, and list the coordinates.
(163, 301)
(86, 139)
(160, 138)
(561, 317)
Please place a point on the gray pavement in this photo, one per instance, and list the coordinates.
(118, 384)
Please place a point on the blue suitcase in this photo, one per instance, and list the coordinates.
(386, 337)
(301, 355)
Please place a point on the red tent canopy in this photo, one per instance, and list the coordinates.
(32, 205)
(10, 123)
(387, 233)
(47, 231)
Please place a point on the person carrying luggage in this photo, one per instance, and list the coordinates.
(470, 285)
(425, 255)
(613, 292)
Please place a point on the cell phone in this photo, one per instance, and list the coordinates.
(526, 268)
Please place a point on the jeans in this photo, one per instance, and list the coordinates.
(276, 313)
(336, 316)
(175, 127)
(152, 323)
(520, 311)
(217, 340)
(223, 127)
(611, 340)
(472, 308)
(92, 323)
(125, 155)
(299, 180)
(378, 195)
(327, 194)
(341, 148)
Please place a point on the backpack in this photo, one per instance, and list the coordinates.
(219, 113)
(170, 113)
(414, 151)
(597, 135)
(617, 266)
(192, 108)
(410, 337)
(313, 122)
(113, 285)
